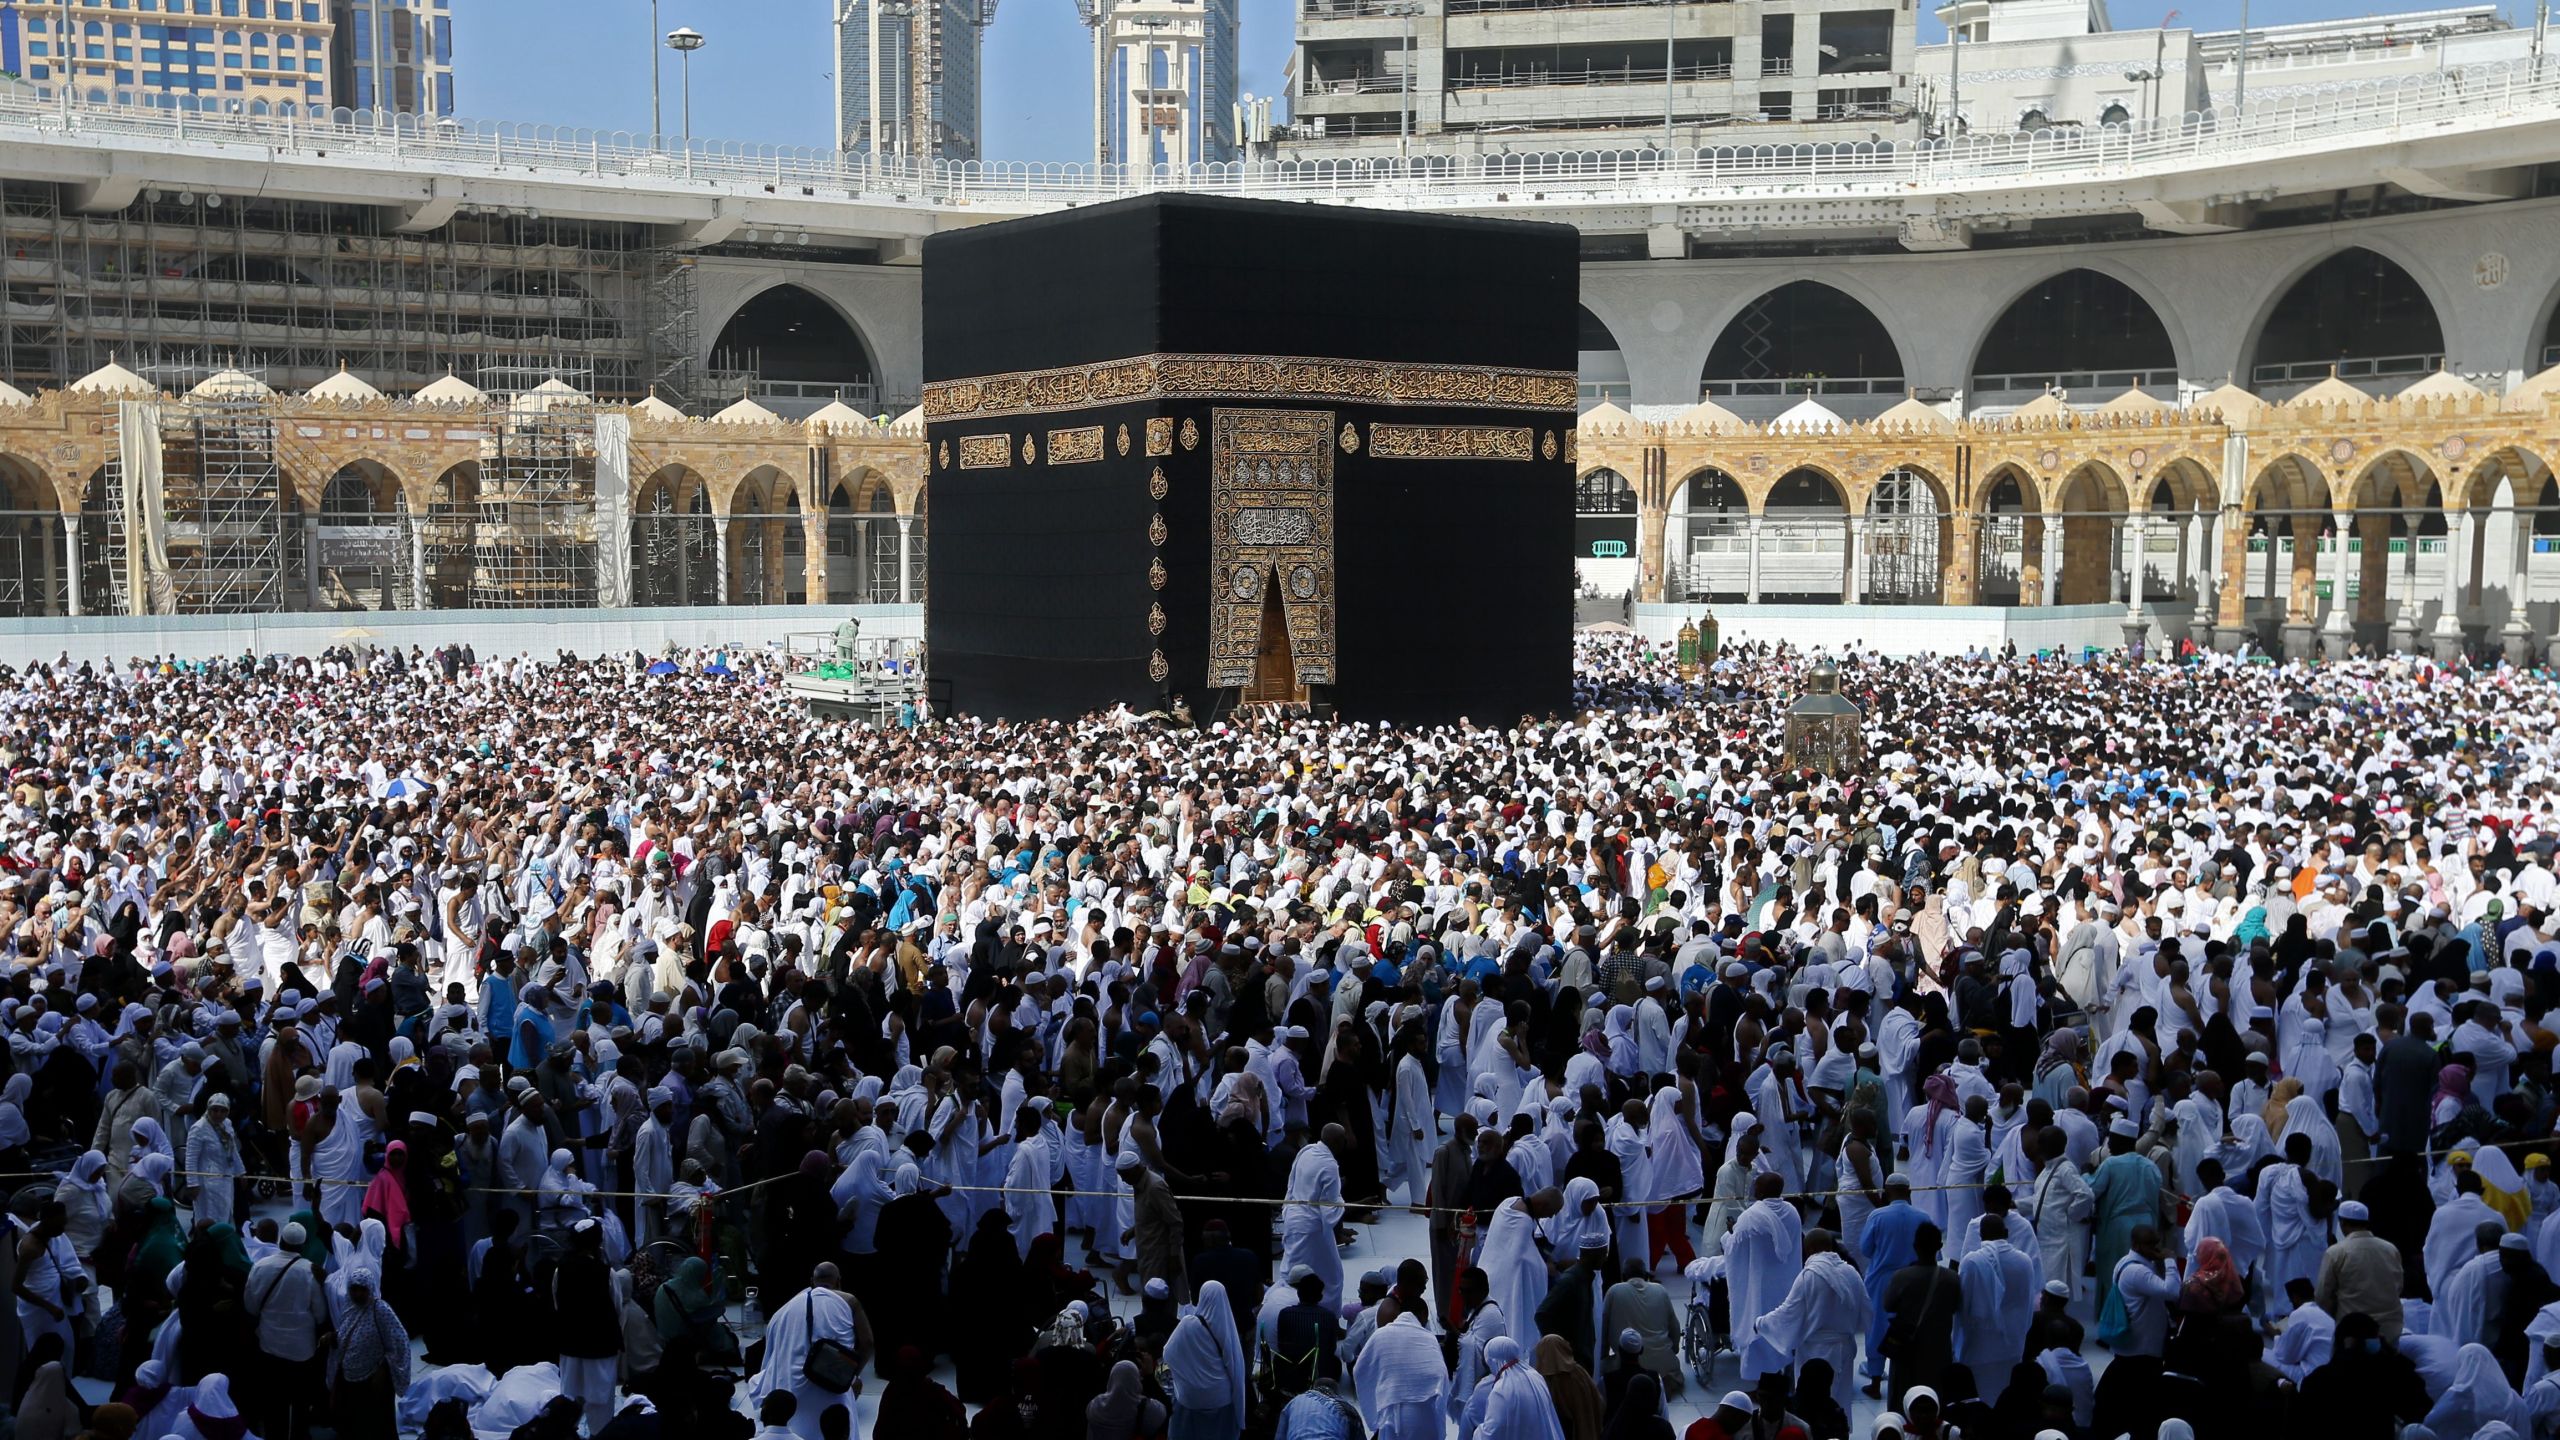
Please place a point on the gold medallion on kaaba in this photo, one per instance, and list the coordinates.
(1350, 438)
(1123, 439)
(1156, 531)
(1157, 669)
(1155, 574)
(1157, 485)
(1030, 455)
(944, 454)
(1155, 620)
(1190, 434)
(1547, 447)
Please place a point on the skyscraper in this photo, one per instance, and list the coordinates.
(1164, 81)
(259, 57)
(393, 55)
(907, 76)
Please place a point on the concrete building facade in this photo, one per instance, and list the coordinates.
(254, 57)
(394, 55)
(1165, 82)
(1375, 77)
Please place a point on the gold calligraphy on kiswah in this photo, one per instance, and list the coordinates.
(1247, 377)
(1452, 442)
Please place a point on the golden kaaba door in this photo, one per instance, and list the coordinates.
(1275, 672)
(1271, 621)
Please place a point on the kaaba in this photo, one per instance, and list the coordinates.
(1225, 452)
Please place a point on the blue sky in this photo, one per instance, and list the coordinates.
(765, 74)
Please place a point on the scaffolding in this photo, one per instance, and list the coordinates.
(297, 288)
(672, 337)
(533, 532)
(224, 526)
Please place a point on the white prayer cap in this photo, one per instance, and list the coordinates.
(1897, 1180)
(1737, 1400)
(2354, 1212)
(2514, 1240)
(2058, 1289)
(1157, 1289)
(2123, 1126)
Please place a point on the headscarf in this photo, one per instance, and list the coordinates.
(1577, 1400)
(2214, 1284)
(386, 1196)
(212, 1412)
(689, 1296)
(2453, 1082)
(1640, 1412)
(47, 1412)
(1122, 1411)
(163, 1245)
(1203, 1359)
(13, 1111)
(2062, 1047)
(224, 1242)
(2273, 1112)
(1941, 1090)
(87, 1175)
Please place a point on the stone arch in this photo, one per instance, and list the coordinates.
(1706, 535)
(35, 574)
(1803, 547)
(767, 549)
(2105, 283)
(795, 334)
(2397, 497)
(1803, 331)
(452, 510)
(2289, 506)
(1905, 534)
(2008, 511)
(2542, 342)
(673, 538)
(2281, 345)
(1602, 363)
(2178, 483)
(362, 509)
(2089, 506)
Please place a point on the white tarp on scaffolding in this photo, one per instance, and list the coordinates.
(613, 510)
(148, 589)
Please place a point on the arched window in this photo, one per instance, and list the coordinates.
(2115, 115)
(2035, 120)
(1604, 492)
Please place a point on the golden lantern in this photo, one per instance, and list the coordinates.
(1825, 729)
(1688, 650)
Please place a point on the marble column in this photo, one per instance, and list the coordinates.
(906, 560)
(2137, 629)
(2446, 640)
(71, 554)
(2337, 631)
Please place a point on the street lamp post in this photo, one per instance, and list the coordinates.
(2240, 76)
(1404, 82)
(684, 40)
(1670, 69)
(657, 113)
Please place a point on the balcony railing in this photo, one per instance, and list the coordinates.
(1804, 386)
(1353, 85)
(1771, 65)
(2455, 103)
(2101, 384)
(1589, 75)
(2362, 367)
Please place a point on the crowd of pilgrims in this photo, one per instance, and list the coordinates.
(408, 1043)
